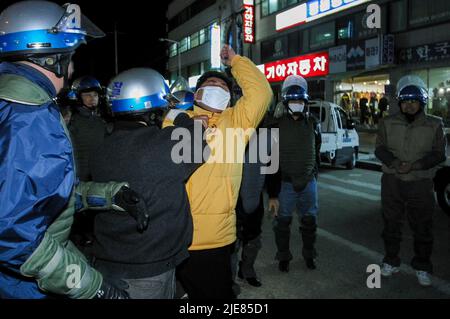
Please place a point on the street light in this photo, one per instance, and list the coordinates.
(178, 50)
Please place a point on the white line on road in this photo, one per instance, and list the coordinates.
(438, 283)
(352, 182)
(350, 192)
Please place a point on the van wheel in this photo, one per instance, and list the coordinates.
(352, 163)
(443, 197)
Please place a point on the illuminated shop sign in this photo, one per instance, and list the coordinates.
(306, 65)
(215, 46)
(312, 10)
(249, 21)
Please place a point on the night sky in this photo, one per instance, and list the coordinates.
(139, 26)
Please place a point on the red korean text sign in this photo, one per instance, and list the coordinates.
(249, 21)
(310, 65)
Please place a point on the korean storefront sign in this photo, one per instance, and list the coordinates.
(426, 53)
(356, 56)
(372, 53)
(249, 21)
(388, 49)
(307, 66)
(338, 59)
(312, 10)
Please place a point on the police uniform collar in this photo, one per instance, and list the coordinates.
(30, 74)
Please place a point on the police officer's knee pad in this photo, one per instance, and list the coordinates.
(308, 222)
(283, 222)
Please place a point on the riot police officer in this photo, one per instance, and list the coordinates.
(410, 145)
(39, 192)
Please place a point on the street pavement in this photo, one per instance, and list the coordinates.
(348, 241)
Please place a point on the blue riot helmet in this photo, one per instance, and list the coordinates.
(137, 91)
(182, 92)
(86, 84)
(294, 88)
(44, 33)
(412, 88)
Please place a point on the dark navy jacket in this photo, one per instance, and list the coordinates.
(36, 180)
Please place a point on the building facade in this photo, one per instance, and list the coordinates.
(348, 50)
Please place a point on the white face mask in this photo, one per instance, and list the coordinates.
(215, 97)
(296, 107)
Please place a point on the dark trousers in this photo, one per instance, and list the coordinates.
(206, 274)
(306, 203)
(248, 232)
(416, 200)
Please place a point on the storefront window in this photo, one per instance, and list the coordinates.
(397, 16)
(322, 35)
(305, 46)
(424, 12)
(194, 40)
(184, 44)
(173, 76)
(360, 97)
(205, 66)
(173, 50)
(274, 49)
(294, 41)
(439, 90)
(194, 69)
(273, 6)
(204, 35)
(345, 28)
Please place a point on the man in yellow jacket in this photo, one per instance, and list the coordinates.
(213, 189)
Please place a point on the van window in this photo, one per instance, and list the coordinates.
(338, 118)
(344, 117)
(326, 121)
(315, 110)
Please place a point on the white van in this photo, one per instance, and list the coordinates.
(340, 141)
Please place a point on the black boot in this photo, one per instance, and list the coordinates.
(282, 235)
(308, 231)
(283, 265)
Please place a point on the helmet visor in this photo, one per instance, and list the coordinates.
(73, 21)
(180, 85)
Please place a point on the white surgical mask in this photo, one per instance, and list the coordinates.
(215, 97)
(296, 107)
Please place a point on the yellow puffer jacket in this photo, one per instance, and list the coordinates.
(214, 188)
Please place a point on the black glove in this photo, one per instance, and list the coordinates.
(129, 201)
(108, 290)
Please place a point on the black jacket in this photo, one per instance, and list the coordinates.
(252, 178)
(141, 156)
(300, 142)
(87, 131)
